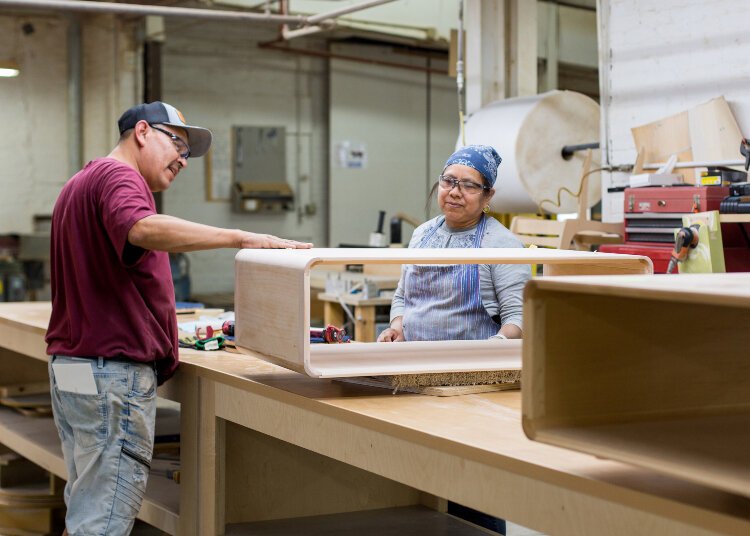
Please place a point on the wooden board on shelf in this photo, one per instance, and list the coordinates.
(22, 389)
(27, 401)
(32, 509)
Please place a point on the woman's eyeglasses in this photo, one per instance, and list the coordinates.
(183, 149)
(464, 185)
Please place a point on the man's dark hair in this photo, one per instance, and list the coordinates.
(124, 135)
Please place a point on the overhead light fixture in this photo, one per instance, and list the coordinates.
(9, 69)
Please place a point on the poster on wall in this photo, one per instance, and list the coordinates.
(350, 155)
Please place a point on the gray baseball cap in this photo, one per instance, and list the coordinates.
(161, 113)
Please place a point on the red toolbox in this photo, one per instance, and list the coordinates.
(653, 213)
(674, 199)
(735, 259)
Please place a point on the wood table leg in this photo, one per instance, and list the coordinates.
(333, 314)
(211, 468)
(189, 457)
(364, 327)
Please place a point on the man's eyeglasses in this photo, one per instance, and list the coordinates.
(464, 185)
(183, 149)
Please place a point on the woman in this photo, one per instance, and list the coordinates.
(469, 301)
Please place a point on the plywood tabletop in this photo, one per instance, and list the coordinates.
(30, 315)
(482, 427)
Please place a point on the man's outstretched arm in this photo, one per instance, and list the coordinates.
(160, 232)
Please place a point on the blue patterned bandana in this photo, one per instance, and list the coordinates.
(483, 158)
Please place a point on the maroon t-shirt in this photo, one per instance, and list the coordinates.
(109, 298)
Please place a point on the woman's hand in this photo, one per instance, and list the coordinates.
(508, 331)
(391, 335)
(395, 333)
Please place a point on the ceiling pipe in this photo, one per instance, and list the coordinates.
(287, 34)
(314, 19)
(89, 6)
(307, 23)
(324, 21)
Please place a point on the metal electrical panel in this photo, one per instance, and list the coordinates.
(259, 170)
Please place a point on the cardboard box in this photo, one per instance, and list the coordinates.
(707, 132)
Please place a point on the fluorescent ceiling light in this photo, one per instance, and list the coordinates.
(9, 69)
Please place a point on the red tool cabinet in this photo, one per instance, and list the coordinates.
(674, 199)
(653, 213)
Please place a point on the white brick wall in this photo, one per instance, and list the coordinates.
(33, 112)
(34, 108)
(217, 76)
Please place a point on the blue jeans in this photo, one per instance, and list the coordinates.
(107, 442)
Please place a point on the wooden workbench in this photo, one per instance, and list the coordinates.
(261, 442)
(363, 311)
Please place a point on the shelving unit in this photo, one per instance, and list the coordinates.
(36, 439)
(650, 371)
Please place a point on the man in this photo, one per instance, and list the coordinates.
(113, 331)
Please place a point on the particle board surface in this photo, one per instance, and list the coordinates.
(440, 390)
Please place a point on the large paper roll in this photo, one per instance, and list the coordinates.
(529, 133)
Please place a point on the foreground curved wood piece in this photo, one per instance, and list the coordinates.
(652, 371)
(272, 306)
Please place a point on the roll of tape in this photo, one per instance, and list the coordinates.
(529, 133)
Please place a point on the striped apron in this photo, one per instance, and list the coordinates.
(444, 302)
